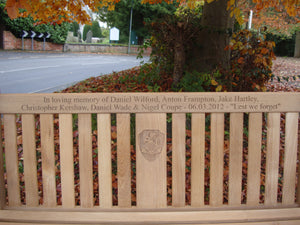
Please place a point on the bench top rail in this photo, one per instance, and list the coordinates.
(149, 102)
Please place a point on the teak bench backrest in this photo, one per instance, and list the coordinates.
(194, 153)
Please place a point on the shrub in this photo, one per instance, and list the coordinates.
(86, 29)
(74, 28)
(194, 82)
(154, 77)
(173, 38)
(251, 63)
(285, 46)
(250, 67)
(58, 32)
(96, 29)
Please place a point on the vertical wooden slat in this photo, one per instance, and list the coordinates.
(290, 158)
(85, 160)
(298, 183)
(11, 158)
(235, 159)
(198, 159)
(272, 158)
(178, 159)
(254, 159)
(2, 182)
(216, 159)
(124, 160)
(48, 160)
(66, 160)
(29, 155)
(151, 167)
(104, 160)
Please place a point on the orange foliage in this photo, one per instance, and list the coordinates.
(57, 11)
(291, 6)
(276, 19)
(251, 62)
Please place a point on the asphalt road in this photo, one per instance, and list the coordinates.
(30, 72)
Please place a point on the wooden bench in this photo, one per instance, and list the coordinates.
(237, 165)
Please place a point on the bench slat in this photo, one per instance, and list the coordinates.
(235, 159)
(198, 159)
(178, 159)
(104, 160)
(272, 158)
(155, 217)
(254, 158)
(48, 160)
(66, 160)
(2, 181)
(216, 159)
(151, 173)
(29, 155)
(298, 184)
(124, 160)
(293, 222)
(85, 160)
(11, 156)
(290, 158)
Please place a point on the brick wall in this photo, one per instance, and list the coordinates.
(10, 42)
(103, 48)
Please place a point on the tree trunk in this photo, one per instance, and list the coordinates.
(179, 56)
(297, 45)
(215, 36)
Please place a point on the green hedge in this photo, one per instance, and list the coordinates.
(58, 32)
(285, 46)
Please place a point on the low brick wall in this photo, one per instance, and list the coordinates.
(10, 42)
(102, 48)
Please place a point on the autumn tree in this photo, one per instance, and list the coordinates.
(69, 11)
(142, 14)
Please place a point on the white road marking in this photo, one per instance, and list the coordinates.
(96, 63)
(15, 58)
(28, 68)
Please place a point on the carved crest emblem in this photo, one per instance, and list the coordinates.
(151, 142)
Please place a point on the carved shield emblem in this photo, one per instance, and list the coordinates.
(151, 142)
